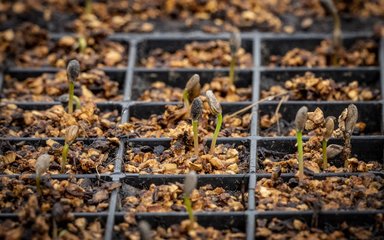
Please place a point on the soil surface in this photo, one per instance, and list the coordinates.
(16, 122)
(361, 53)
(128, 230)
(276, 229)
(333, 193)
(176, 122)
(180, 159)
(96, 157)
(212, 54)
(169, 198)
(74, 195)
(221, 87)
(311, 88)
(93, 85)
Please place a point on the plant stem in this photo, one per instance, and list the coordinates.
(299, 136)
(185, 99)
(77, 102)
(325, 161)
(88, 6)
(216, 133)
(188, 207)
(195, 124)
(346, 150)
(71, 93)
(337, 42)
(232, 70)
(38, 186)
(64, 157)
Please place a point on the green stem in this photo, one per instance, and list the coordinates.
(82, 44)
(188, 207)
(232, 70)
(299, 136)
(185, 99)
(64, 157)
(216, 133)
(88, 6)
(325, 161)
(38, 186)
(195, 124)
(77, 102)
(71, 93)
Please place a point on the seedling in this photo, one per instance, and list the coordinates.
(329, 127)
(351, 114)
(82, 44)
(42, 165)
(70, 135)
(234, 44)
(196, 112)
(145, 230)
(88, 6)
(336, 36)
(73, 71)
(190, 183)
(192, 90)
(216, 110)
(301, 118)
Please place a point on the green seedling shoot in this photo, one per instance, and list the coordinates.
(88, 6)
(190, 183)
(82, 44)
(329, 127)
(70, 135)
(196, 112)
(234, 44)
(215, 107)
(73, 71)
(301, 118)
(192, 90)
(336, 35)
(145, 230)
(42, 165)
(351, 115)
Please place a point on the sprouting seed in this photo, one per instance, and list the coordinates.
(42, 165)
(333, 150)
(73, 71)
(351, 119)
(216, 110)
(192, 89)
(329, 127)
(196, 112)
(301, 118)
(190, 183)
(71, 134)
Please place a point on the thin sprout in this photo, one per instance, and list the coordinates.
(329, 127)
(192, 90)
(42, 165)
(73, 71)
(234, 42)
(215, 109)
(190, 183)
(301, 118)
(196, 112)
(70, 135)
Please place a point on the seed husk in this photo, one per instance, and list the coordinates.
(213, 103)
(73, 70)
(301, 118)
(196, 109)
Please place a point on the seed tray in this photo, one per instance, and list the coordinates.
(134, 79)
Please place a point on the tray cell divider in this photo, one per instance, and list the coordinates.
(130, 70)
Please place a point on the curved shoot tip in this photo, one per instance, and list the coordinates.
(301, 118)
(73, 70)
(196, 108)
(42, 163)
(71, 133)
(329, 5)
(214, 105)
(193, 87)
(329, 127)
(235, 41)
(190, 183)
(333, 150)
(351, 119)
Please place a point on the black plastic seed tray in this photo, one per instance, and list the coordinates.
(134, 79)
